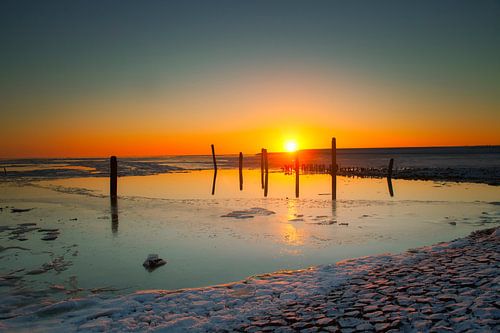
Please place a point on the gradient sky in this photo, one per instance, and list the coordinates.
(95, 78)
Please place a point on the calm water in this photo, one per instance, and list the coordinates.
(175, 216)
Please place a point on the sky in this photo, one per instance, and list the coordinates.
(145, 78)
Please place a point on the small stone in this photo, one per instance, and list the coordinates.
(381, 327)
(49, 237)
(152, 262)
(324, 321)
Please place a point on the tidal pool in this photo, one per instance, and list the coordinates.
(176, 216)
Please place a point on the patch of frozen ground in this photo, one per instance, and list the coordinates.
(249, 213)
(295, 296)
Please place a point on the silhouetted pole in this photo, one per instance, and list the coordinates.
(215, 169)
(213, 157)
(297, 174)
(241, 171)
(334, 169)
(113, 175)
(389, 177)
(266, 176)
(262, 167)
(5, 172)
(389, 170)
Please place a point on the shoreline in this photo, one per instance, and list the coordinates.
(452, 286)
(487, 176)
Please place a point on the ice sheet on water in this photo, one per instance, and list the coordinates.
(249, 213)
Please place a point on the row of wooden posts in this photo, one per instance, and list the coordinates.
(264, 172)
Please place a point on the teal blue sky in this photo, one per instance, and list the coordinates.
(77, 46)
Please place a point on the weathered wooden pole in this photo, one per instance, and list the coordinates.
(215, 169)
(389, 170)
(266, 176)
(334, 169)
(297, 174)
(113, 177)
(389, 177)
(262, 167)
(213, 157)
(241, 171)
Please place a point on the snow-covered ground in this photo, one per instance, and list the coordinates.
(451, 286)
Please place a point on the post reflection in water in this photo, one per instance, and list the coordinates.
(114, 215)
(213, 182)
(334, 210)
(293, 235)
(389, 185)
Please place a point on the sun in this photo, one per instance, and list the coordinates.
(290, 146)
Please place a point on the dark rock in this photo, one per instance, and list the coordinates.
(152, 262)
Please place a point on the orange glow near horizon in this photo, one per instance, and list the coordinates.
(245, 114)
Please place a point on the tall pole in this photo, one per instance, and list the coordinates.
(262, 167)
(215, 169)
(296, 174)
(241, 171)
(213, 157)
(266, 176)
(389, 177)
(113, 175)
(334, 169)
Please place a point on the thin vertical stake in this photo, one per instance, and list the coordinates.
(213, 157)
(297, 174)
(241, 171)
(262, 168)
(389, 177)
(266, 178)
(334, 169)
(113, 175)
(389, 170)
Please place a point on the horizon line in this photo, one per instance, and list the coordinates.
(229, 154)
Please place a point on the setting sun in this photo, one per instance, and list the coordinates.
(290, 146)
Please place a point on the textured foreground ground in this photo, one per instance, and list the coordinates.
(449, 287)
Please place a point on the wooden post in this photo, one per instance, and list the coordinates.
(215, 169)
(262, 167)
(266, 176)
(389, 177)
(5, 172)
(213, 157)
(113, 177)
(334, 169)
(241, 171)
(297, 174)
(389, 170)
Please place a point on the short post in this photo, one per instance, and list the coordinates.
(215, 169)
(213, 157)
(389, 170)
(241, 171)
(113, 177)
(297, 174)
(262, 167)
(5, 172)
(266, 176)
(334, 169)
(389, 177)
